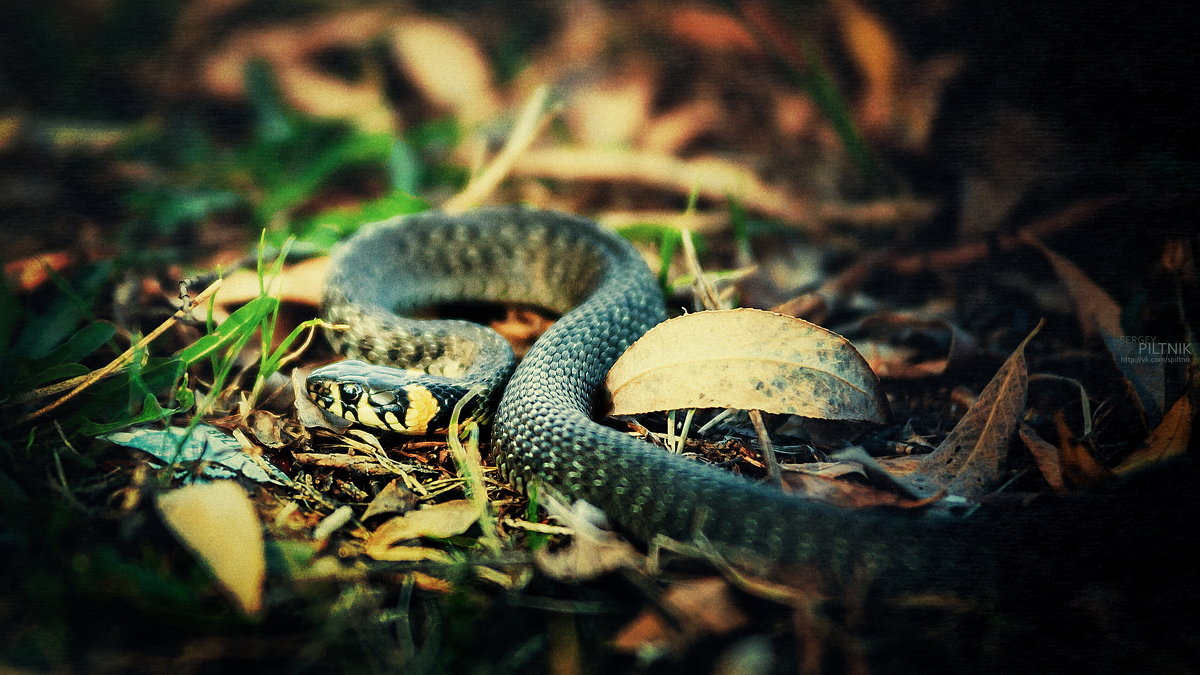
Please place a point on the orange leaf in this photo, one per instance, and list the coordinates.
(1170, 438)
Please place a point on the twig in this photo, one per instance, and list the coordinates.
(774, 475)
(714, 178)
(529, 123)
(120, 362)
(1072, 215)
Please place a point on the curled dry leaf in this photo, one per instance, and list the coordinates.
(748, 359)
(310, 414)
(969, 462)
(438, 520)
(218, 523)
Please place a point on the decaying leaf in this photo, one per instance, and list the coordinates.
(218, 523)
(1100, 314)
(969, 462)
(1170, 438)
(748, 359)
(438, 520)
(700, 607)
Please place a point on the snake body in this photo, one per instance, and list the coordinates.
(543, 432)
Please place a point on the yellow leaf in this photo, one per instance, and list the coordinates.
(218, 523)
(747, 359)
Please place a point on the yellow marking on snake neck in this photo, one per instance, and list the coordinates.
(367, 415)
(422, 407)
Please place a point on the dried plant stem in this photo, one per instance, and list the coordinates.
(85, 381)
(529, 124)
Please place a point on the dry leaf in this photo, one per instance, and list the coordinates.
(969, 462)
(438, 520)
(592, 551)
(1047, 458)
(303, 283)
(701, 607)
(447, 67)
(1099, 313)
(880, 62)
(747, 359)
(395, 497)
(1170, 438)
(310, 414)
(612, 111)
(1080, 468)
(1069, 466)
(290, 50)
(711, 29)
(709, 177)
(218, 523)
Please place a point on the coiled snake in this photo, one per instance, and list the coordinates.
(543, 430)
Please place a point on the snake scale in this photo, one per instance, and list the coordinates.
(543, 430)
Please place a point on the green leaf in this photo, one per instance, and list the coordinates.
(151, 412)
(85, 341)
(351, 149)
(328, 227)
(55, 373)
(240, 324)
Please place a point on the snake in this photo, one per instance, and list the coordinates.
(404, 374)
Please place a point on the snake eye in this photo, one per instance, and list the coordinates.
(351, 392)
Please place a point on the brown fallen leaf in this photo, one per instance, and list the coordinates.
(614, 110)
(747, 359)
(1170, 438)
(1047, 458)
(969, 462)
(699, 607)
(880, 62)
(1099, 314)
(394, 498)
(711, 28)
(290, 50)
(437, 520)
(1080, 467)
(709, 177)
(218, 523)
(447, 66)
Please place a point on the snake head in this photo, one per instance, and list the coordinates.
(377, 396)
